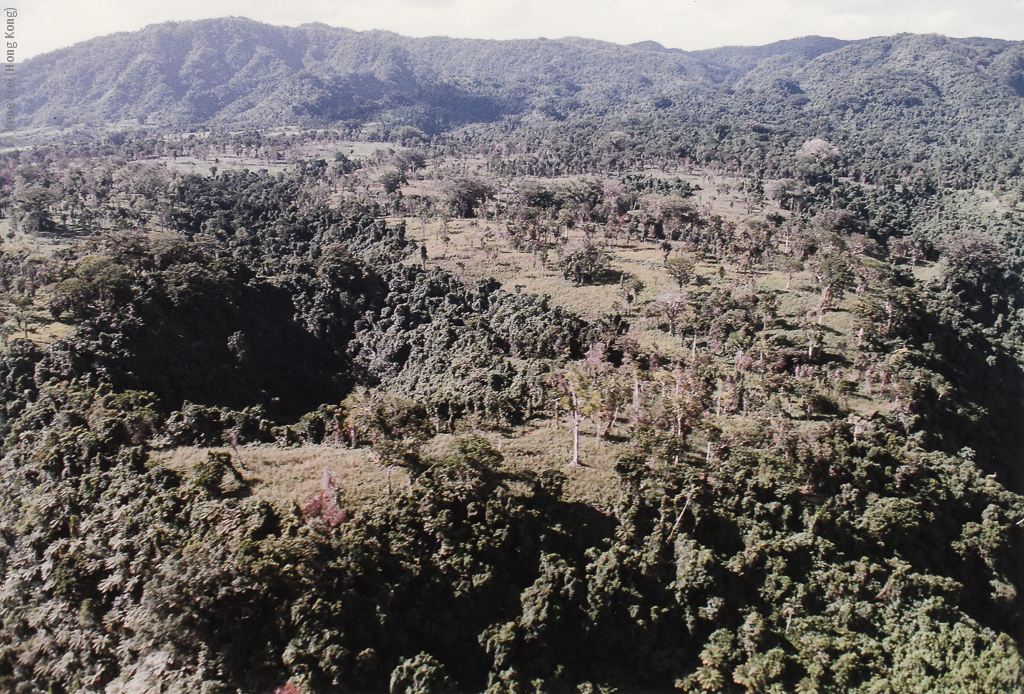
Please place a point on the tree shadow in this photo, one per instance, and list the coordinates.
(607, 276)
(985, 408)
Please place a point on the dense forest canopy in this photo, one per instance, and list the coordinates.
(347, 362)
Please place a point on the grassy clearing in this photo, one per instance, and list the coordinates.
(475, 251)
(286, 476)
(275, 161)
(543, 445)
(222, 162)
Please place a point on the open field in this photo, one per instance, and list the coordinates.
(287, 476)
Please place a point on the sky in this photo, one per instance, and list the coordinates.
(45, 25)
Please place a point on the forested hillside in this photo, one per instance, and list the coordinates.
(424, 365)
(927, 110)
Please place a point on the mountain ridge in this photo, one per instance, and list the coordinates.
(242, 72)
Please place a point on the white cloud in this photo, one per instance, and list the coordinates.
(45, 25)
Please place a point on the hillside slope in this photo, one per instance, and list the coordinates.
(235, 71)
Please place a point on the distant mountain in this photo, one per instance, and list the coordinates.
(742, 59)
(242, 72)
(935, 98)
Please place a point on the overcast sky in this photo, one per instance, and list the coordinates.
(45, 25)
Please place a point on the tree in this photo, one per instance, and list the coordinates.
(833, 274)
(578, 396)
(680, 268)
(789, 265)
(97, 284)
(423, 674)
(672, 305)
(817, 161)
(410, 160)
(630, 287)
(463, 195)
(32, 207)
(685, 396)
(582, 262)
(392, 181)
(974, 259)
(784, 192)
(608, 386)
(406, 135)
(395, 427)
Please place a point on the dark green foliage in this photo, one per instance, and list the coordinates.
(451, 347)
(396, 427)
(463, 195)
(190, 323)
(420, 675)
(582, 263)
(96, 283)
(754, 570)
(209, 474)
(263, 219)
(392, 181)
(199, 425)
(473, 450)
(323, 425)
(680, 268)
(203, 333)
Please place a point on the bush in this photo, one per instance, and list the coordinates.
(582, 263)
(420, 675)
